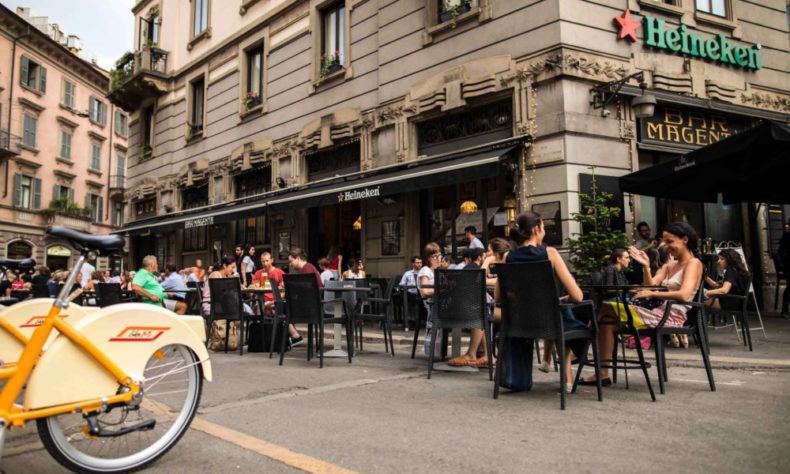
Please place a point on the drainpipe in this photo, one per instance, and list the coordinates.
(109, 162)
(10, 101)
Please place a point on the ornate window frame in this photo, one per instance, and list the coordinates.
(480, 11)
(262, 39)
(317, 8)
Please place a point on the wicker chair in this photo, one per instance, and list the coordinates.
(531, 309)
(460, 303)
(304, 305)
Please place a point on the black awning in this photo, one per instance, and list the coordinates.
(751, 166)
(189, 220)
(412, 177)
(422, 174)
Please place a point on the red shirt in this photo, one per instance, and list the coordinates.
(334, 264)
(276, 273)
(309, 268)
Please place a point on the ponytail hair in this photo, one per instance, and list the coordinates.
(525, 226)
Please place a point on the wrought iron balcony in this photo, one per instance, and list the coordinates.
(138, 76)
(117, 184)
(9, 144)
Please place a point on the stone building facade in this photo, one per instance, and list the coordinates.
(62, 145)
(366, 124)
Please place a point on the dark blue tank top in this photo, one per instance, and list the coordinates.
(527, 254)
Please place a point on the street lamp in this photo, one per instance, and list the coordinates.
(644, 105)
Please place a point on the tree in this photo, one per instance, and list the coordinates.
(590, 249)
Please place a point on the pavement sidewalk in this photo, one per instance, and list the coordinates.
(771, 351)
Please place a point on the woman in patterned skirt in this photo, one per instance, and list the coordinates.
(681, 276)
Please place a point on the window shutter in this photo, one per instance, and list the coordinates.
(37, 193)
(100, 212)
(42, 79)
(71, 195)
(55, 192)
(25, 73)
(17, 190)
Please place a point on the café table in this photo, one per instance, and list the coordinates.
(337, 309)
(621, 292)
(256, 293)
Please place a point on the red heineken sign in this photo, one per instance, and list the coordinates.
(679, 40)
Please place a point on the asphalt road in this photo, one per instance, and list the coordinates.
(381, 414)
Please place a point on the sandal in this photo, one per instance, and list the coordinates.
(460, 361)
(482, 363)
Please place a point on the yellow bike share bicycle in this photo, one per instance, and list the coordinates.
(113, 390)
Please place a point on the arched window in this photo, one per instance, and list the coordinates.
(19, 249)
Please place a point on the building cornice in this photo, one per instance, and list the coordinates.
(15, 27)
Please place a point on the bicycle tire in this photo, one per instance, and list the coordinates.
(60, 447)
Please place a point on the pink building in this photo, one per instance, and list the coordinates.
(62, 145)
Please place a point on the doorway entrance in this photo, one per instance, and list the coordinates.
(334, 226)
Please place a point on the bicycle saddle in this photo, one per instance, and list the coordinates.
(102, 244)
(23, 264)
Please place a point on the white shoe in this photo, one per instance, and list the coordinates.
(568, 387)
(544, 367)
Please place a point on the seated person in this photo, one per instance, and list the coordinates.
(326, 273)
(7, 284)
(354, 271)
(146, 286)
(263, 277)
(173, 283)
(477, 340)
(681, 276)
(735, 276)
(614, 273)
(529, 234)
(17, 283)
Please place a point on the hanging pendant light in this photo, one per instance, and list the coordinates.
(468, 207)
(357, 225)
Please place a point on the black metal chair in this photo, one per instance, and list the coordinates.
(695, 327)
(737, 306)
(40, 291)
(278, 318)
(531, 309)
(781, 275)
(459, 302)
(226, 304)
(194, 298)
(108, 294)
(304, 306)
(378, 309)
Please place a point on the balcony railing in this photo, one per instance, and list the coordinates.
(117, 182)
(9, 144)
(138, 76)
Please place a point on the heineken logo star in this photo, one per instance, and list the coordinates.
(628, 25)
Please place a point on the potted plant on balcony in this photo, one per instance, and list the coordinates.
(452, 9)
(329, 65)
(194, 130)
(64, 207)
(252, 100)
(589, 250)
(122, 71)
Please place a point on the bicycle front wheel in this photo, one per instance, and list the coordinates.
(135, 435)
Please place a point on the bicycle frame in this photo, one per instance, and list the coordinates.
(11, 414)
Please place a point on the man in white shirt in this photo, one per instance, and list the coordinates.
(86, 271)
(410, 277)
(471, 236)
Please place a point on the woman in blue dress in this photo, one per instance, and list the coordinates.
(528, 235)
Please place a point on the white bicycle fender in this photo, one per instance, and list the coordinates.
(26, 316)
(128, 334)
